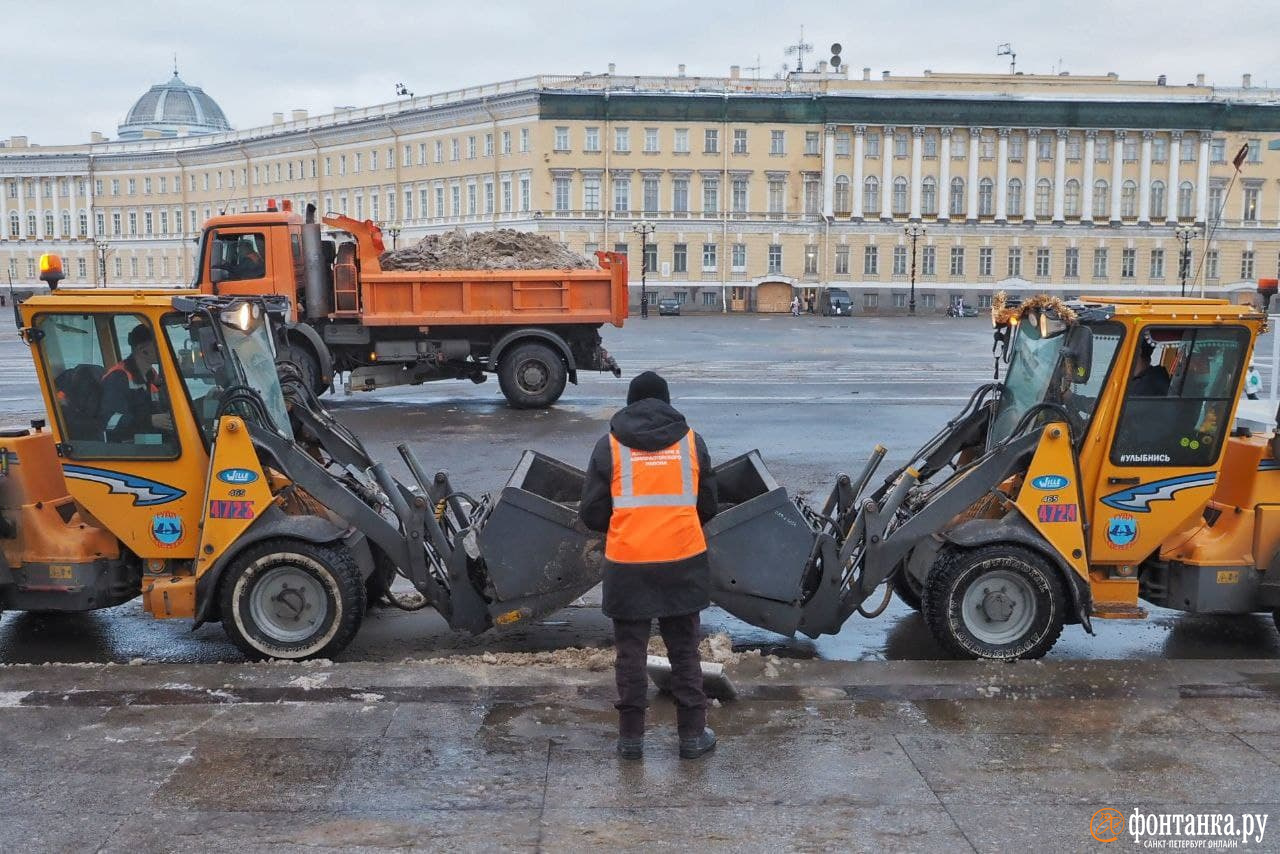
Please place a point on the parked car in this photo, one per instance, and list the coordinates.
(669, 305)
(835, 302)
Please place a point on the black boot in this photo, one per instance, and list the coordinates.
(631, 748)
(698, 745)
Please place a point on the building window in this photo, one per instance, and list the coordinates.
(651, 140)
(1159, 149)
(739, 199)
(650, 257)
(928, 300)
(871, 195)
(871, 301)
(1017, 146)
(739, 257)
(680, 195)
(811, 142)
(1044, 147)
(1073, 146)
(439, 151)
(899, 300)
(1211, 264)
(899, 260)
(843, 141)
(985, 257)
(900, 148)
(471, 152)
(711, 141)
(900, 196)
(681, 145)
(777, 195)
(955, 205)
(1015, 262)
(708, 257)
(739, 141)
(1101, 200)
(812, 195)
(680, 258)
(987, 147)
(710, 197)
(1042, 262)
(1157, 263)
(1129, 199)
(591, 139)
(1187, 149)
(840, 201)
(778, 142)
(622, 140)
(872, 144)
(870, 262)
(1251, 204)
(622, 196)
(842, 260)
(957, 261)
(1255, 150)
(1185, 193)
(930, 146)
(1072, 270)
(1071, 197)
(1246, 264)
(775, 258)
(929, 196)
(986, 191)
(929, 261)
(710, 299)
(811, 260)
(1014, 201)
(455, 151)
(650, 191)
(1157, 200)
(1130, 149)
(1216, 200)
(1128, 263)
(1044, 198)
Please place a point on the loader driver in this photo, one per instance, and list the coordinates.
(650, 488)
(133, 398)
(1147, 380)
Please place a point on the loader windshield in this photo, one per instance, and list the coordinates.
(1036, 351)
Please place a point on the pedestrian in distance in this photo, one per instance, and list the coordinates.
(795, 306)
(650, 488)
(1253, 382)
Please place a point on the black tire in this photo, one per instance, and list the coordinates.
(1024, 588)
(308, 365)
(906, 588)
(323, 580)
(379, 582)
(532, 376)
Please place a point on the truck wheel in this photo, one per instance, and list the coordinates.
(532, 376)
(308, 365)
(291, 599)
(999, 602)
(906, 588)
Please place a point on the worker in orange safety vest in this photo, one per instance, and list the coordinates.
(650, 488)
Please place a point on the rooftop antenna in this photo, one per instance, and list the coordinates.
(403, 90)
(755, 68)
(175, 63)
(799, 49)
(1006, 49)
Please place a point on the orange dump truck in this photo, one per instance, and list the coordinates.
(536, 329)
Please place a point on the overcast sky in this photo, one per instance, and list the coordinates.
(72, 66)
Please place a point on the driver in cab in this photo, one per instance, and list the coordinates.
(249, 263)
(133, 396)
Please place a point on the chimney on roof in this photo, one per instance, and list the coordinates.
(1161, 80)
(735, 72)
(822, 66)
(884, 75)
(866, 72)
(928, 72)
(1111, 75)
(1247, 81)
(277, 118)
(680, 68)
(299, 115)
(1199, 79)
(96, 137)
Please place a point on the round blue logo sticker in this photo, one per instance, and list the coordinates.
(1122, 530)
(1050, 482)
(166, 529)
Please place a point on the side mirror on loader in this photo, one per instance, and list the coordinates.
(1077, 350)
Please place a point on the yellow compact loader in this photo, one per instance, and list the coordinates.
(173, 465)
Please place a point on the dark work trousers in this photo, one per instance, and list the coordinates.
(681, 635)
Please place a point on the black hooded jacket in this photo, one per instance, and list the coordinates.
(639, 591)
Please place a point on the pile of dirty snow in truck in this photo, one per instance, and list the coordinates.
(503, 249)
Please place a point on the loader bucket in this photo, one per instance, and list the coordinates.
(761, 547)
(538, 555)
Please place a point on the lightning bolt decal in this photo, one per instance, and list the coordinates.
(1137, 499)
(146, 493)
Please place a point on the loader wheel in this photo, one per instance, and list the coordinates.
(308, 365)
(999, 602)
(532, 376)
(908, 589)
(291, 599)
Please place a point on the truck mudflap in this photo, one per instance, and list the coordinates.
(537, 555)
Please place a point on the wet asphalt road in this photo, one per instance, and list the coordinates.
(813, 394)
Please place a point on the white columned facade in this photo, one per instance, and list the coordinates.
(829, 172)
(859, 142)
(1202, 179)
(944, 176)
(1144, 179)
(22, 207)
(975, 137)
(1171, 192)
(1002, 175)
(4, 210)
(886, 174)
(1086, 192)
(1060, 178)
(917, 176)
(1117, 173)
(1032, 151)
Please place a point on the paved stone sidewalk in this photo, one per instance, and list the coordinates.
(899, 756)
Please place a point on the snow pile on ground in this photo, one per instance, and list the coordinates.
(503, 249)
(717, 648)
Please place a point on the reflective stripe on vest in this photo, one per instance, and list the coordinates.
(655, 504)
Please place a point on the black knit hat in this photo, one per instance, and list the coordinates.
(646, 385)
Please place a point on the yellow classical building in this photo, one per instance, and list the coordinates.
(754, 191)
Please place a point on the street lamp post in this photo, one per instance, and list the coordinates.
(1186, 234)
(644, 228)
(102, 248)
(914, 231)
